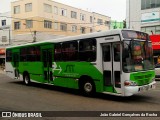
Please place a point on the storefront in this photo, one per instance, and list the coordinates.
(2, 56)
(156, 47)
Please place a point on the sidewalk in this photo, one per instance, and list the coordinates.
(2, 72)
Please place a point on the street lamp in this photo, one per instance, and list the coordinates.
(33, 36)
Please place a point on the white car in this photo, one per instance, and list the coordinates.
(157, 70)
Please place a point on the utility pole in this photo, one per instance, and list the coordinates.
(34, 38)
(9, 36)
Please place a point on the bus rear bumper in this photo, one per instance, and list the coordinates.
(131, 90)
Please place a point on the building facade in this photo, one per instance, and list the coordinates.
(5, 28)
(48, 18)
(144, 15)
(5, 34)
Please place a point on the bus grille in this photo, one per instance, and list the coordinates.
(143, 79)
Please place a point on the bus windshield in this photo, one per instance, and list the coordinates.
(137, 55)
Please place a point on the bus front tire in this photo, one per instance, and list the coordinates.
(87, 88)
(26, 79)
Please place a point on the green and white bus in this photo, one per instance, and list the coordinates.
(117, 62)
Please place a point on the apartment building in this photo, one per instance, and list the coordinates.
(5, 26)
(144, 15)
(47, 17)
(5, 34)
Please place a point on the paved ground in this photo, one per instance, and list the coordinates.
(2, 72)
(16, 96)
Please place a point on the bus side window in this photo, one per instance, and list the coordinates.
(57, 52)
(23, 54)
(87, 50)
(38, 55)
(70, 51)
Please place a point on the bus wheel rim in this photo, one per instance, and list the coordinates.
(26, 80)
(88, 87)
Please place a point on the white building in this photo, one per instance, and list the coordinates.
(144, 15)
(5, 34)
(5, 29)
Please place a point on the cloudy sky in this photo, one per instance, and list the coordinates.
(116, 9)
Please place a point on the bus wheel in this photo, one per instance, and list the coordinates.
(26, 79)
(88, 88)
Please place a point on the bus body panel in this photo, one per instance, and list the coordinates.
(74, 71)
(108, 76)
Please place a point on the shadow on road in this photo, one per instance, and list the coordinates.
(135, 98)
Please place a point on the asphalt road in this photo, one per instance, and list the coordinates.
(15, 96)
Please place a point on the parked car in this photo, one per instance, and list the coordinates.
(157, 70)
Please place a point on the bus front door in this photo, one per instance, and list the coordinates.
(47, 65)
(111, 67)
(16, 65)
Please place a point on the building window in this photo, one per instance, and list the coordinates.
(99, 21)
(82, 30)
(158, 3)
(82, 17)
(56, 26)
(63, 12)
(47, 24)
(74, 28)
(47, 8)
(73, 14)
(29, 24)
(91, 19)
(17, 25)
(148, 4)
(16, 9)
(107, 23)
(157, 29)
(4, 38)
(63, 27)
(28, 7)
(91, 30)
(151, 29)
(55, 10)
(3, 22)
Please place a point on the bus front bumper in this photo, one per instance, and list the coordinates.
(131, 90)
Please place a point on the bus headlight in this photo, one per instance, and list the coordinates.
(153, 80)
(130, 83)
